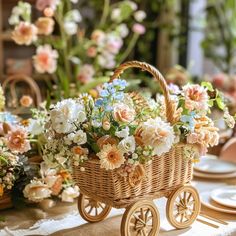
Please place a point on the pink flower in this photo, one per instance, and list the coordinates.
(86, 73)
(26, 101)
(45, 59)
(123, 113)
(17, 140)
(219, 79)
(91, 52)
(113, 44)
(106, 60)
(45, 25)
(25, 33)
(42, 4)
(138, 28)
(196, 97)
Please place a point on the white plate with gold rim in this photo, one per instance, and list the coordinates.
(215, 166)
(225, 196)
(208, 202)
(214, 176)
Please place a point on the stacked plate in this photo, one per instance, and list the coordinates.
(221, 199)
(210, 167)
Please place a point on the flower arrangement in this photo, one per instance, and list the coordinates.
(14, 142)
(70, 55)
(123, 130)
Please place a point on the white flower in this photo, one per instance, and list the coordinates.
(69, 194)
(139, 16)
(14, 20)
(123, 30)
(35, 127)
(65, 113)
(45, 170)
(74, 1)
(17, 10)
(106, 60)
(133, 5)
(115, 14)
(158, 134)
(127, 144)
(124, 133)
(73, 15)
(36, 191)
(80, 137)
(70, 27)
(69, 138)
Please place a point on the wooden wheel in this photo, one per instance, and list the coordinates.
(141, 218)
(92, 210)
(183, 207)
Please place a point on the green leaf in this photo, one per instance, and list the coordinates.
(126, 10)
(220, 103)
(207, 85)
(211, 102)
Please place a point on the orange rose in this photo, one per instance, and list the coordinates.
(45, 25)
(64, 174)
(57, 186)
(79, 150)
(106, 140)
(26, 101)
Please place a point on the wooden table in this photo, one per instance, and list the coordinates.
(64, 220)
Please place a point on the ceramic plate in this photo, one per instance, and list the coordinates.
(225, 196)
(208, 202)
(215, 166)
(214, 176)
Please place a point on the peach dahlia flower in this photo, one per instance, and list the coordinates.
(196, 97)
(17, 140)
(25, 33)
(45, 60)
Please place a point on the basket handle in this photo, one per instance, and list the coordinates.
(157, 76)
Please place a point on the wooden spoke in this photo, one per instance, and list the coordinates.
(141, 218)
(183, 207)
(86, 205)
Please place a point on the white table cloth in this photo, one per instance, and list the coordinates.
(64, 220)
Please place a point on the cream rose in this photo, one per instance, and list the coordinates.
(123, 113)
(36, 191)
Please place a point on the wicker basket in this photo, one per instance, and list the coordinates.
(167, 175)
(5, 201)
(162, 176)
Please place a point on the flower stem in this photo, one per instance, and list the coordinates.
(64, 39)
(129, 48)
(105, 12)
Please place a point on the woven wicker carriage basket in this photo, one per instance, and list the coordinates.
(168, 176)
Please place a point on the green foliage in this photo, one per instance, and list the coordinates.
(208, 86)
(219, 44)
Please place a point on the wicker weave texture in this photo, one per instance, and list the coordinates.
(162, 175)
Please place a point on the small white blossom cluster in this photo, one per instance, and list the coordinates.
(52, 182)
